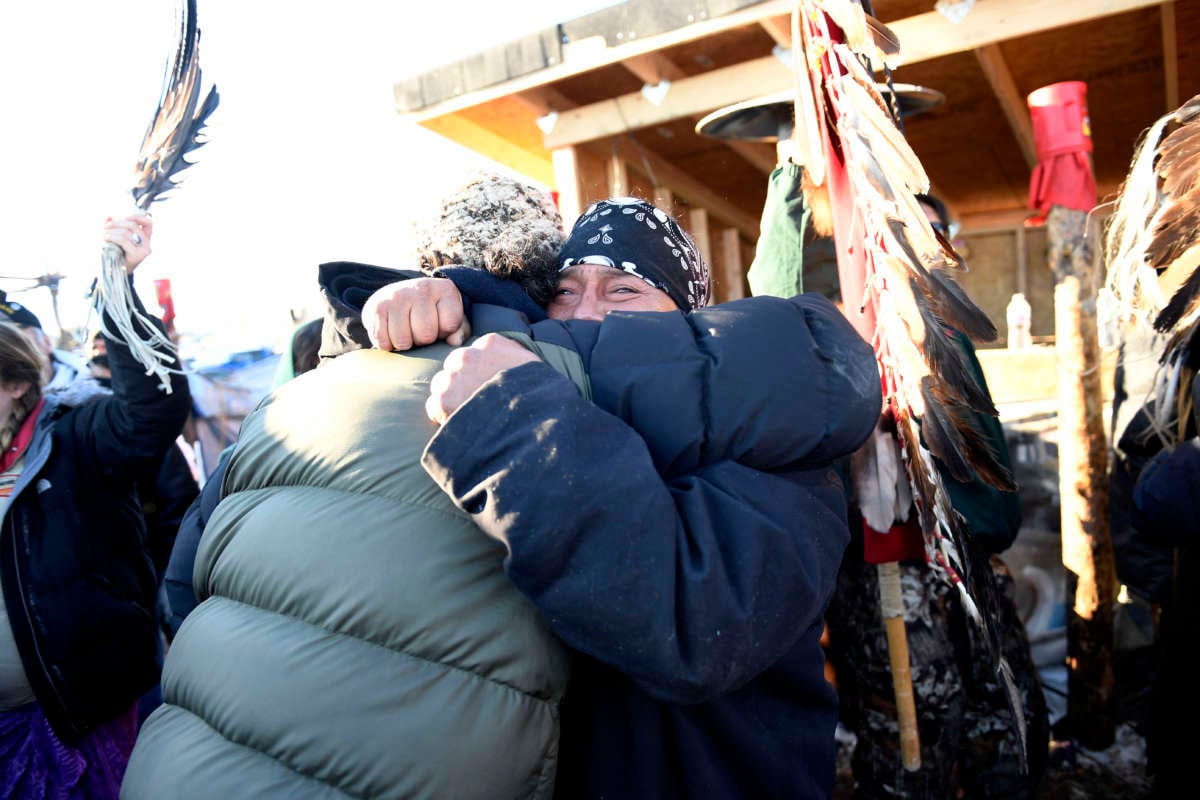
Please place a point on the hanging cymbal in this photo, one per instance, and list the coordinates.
(769, 118)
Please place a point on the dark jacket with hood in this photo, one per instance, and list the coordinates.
(79, 586)
(695, 560)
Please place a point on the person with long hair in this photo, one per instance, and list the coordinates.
(78, 634)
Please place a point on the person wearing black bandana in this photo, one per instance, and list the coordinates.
(689, 582)
(637, 239)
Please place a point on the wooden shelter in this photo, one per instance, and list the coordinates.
(608, 103)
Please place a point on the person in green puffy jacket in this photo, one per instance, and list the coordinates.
(354, 629)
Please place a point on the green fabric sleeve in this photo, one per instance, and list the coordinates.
(778, 267)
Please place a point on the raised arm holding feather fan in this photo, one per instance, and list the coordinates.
(172, 134)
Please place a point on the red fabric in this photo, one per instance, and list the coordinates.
(162, 290)
(23, 438)
(1064, 180)
(902, 542)
(1062, 133)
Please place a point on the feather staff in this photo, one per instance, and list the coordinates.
(1152, 247)
(896, 280)
(173, 133)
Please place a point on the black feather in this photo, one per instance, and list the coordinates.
(176, 126)
(1181, 302)
(953, 438)
(947, 360)
(958, 310)
(942, 293)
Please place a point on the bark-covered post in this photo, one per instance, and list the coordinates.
(1083, 488)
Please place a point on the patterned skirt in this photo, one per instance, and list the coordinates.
(36, 764)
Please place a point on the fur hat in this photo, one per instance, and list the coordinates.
(496, 223)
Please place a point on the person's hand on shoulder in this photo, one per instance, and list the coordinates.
(132, 235)
(415, 312)
(468, 368)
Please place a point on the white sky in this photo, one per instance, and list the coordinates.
(307, 160)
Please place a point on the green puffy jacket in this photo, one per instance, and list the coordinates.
(358, 636)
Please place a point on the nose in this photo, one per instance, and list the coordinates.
(589, 307)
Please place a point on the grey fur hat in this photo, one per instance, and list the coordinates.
(497, 223)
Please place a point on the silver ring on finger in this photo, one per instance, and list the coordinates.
(136, 238)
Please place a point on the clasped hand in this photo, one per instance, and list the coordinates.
(132, 235)
(422, 311)
(468, 368)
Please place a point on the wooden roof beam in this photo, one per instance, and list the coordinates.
(589, 58)
(688, 97)
(653, 68)
(683, 185)
(544, 99)
(922, 37)
(761, 156)
(931, 35)
(1012, 102)
(778, 28)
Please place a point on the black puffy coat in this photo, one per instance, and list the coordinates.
(78, 581)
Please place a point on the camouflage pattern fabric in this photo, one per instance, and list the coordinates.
(968, 740)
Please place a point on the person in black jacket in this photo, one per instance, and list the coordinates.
(79, 641)
(1166, 513)
(692, 594)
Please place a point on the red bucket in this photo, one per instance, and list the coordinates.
(1060, 119)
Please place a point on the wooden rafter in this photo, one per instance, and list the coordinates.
(762, 156)
(778, 28)
(922, 37)
(1012, 102)
(682, 185)
(592, 58)
(653, 68)
(688, 97)
(544, 99)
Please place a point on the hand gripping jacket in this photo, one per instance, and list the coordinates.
(359, 636)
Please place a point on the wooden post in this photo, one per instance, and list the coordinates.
(698, 228)
(1083, 489)
(566, 179)
(664, 198)
(618, 177)
(731, 274)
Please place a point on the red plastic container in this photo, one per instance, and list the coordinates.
(1062, 133)
(1060, 119)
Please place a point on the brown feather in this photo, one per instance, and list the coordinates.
(948, 362)
(953, 438)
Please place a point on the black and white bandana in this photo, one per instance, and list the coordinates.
(636, 237)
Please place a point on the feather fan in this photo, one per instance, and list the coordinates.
(1152, 246)
(173, 133)
(855, 152)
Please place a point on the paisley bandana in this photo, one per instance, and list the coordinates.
(632, 235)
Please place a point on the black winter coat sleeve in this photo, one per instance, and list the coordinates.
(129, 432)
(692, 586)
(1166, 497)
(177, 581)
(764, 381)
